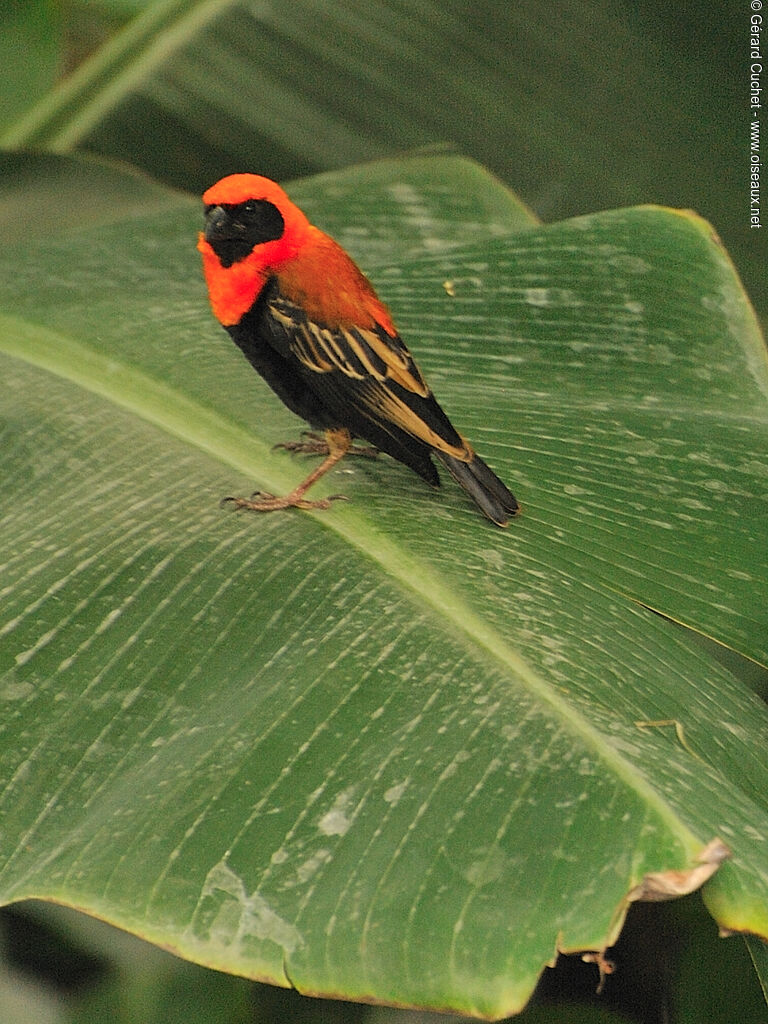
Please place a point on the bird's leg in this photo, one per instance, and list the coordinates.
(317, 445)
(338, 442)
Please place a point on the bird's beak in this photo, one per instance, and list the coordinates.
(219, 226)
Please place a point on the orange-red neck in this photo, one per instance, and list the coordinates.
(232, 290)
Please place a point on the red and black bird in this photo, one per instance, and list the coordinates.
(310, 323)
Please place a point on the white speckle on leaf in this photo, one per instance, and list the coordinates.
(629, 263)
(130, 697)
(393, 794)
(575, 490)
(238, 915)
(712, 303)
(336, 822)
(487, 867)
(551, 297)
(306, 870)
(492, 557)
(15, 690)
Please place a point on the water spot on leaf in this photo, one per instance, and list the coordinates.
(551, 297)
(336, 821)
(486, 867)
(15, 690)
(305, 871)
(228, 914)
(393, 794)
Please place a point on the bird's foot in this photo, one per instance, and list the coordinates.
(262, 501)
(337, 445)
(317, 445)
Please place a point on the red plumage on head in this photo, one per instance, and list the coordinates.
(313, 268)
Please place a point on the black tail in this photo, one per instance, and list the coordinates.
(483, 486)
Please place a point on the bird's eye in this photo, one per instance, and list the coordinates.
(261, 220)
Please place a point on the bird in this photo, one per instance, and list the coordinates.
(311, 324)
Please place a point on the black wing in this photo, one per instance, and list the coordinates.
(364, 373)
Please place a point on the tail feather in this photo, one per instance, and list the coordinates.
(483, 486)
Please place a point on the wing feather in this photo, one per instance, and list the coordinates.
(356, 351)
(383, 381)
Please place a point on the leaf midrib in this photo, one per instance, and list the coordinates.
(191, 422)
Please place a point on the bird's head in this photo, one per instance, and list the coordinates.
(250, 216)
(251, 229)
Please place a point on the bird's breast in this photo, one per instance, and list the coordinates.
(232, 290)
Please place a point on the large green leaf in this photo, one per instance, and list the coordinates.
(387, 751)
(45, 193)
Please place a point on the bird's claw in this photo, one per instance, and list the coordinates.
(262, 501)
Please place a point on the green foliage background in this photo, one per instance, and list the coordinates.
(567, 154)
